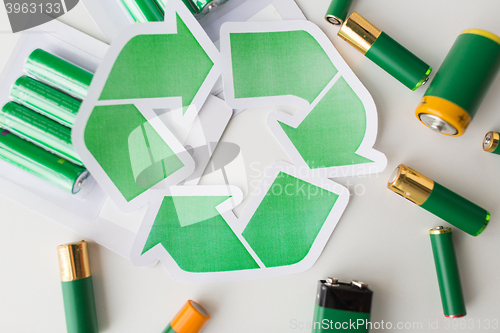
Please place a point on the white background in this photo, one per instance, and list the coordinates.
(381, 239)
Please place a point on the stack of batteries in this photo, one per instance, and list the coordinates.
(154, 10)
(36, 124)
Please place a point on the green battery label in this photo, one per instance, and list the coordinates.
(447, 272)
(59, 73)
(41, 163)
(39, 129)
(45, 100)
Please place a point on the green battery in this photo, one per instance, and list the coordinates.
(39, 129)
(438, 200)
(198, 8)
(59, 73)
(41, 163)
(77, 288)
(337, 11)
(342, 306)
(143, 11)
(460, 84)
(45, 100)
(490, 143)
(447, 273)
(384, 51)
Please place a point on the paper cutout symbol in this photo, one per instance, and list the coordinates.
(192, 229)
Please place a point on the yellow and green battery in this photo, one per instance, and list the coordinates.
(39, 129)
(190, 319)
(337, 11)
(384, 51)
(45, 100)
(447, 272)
(338, 304)
(59, 73)
(77, 288)
(490, 142)
(41, 163)
(439, 200)
(465, 76)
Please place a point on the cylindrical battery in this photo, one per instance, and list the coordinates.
(198, 8)
(342, 306)
(45, 100)
(438, 200)
(447, 272)
(39, 129)
(190, 319)
(59, 73)
(490, 143)
(380, 48)
(337, 11)
(460, 84)
(143, 10)
(41, 163)
(77, 288)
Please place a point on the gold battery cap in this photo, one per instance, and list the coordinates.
(190, 319)
(439, 230)
(74, 261)
(410, 184)
(490, 142)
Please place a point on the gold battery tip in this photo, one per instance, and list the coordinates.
(490, 142)
(358, 32)
(74, 261)
(410, 184)
(439, 230)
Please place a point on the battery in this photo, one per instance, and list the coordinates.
(39, 129)
(490, 143)
(45, 100)
(460, 84)
(41, 163)
(447, 272)
(384, 51)
(190, 319)
(58, 73)
(337, 11)
(342, 306)
(143, 11)
(439, 200)
(198, 8)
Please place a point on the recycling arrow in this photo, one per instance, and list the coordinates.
(336, 125)
(169, 65)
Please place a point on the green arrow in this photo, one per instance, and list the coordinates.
(130, 151)
(333, 131)
(285, 225)
(163, 65)
(198, 246)
(275, 64)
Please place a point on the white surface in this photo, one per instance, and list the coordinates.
(381, 239)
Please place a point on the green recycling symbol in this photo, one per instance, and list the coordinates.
(192, 230)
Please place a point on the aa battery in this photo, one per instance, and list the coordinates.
(490, 143)
(460, 84)
(447, 272)
(340, 305)
(190, 319)
(41, 163)
(45, 100)
(143, 10)
(439, 200)
(59, 73)
(77, 288)
(39, 129)
(337, 11)
(384, 51)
